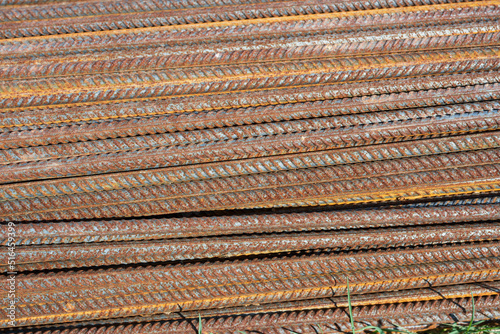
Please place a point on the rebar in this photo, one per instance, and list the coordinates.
(443, 304)
(304, 188)
(211, 136)
(245, 161)
(151, 290)
(164, 176)
(228, 118)
(253, 147)
(150, 229)
(100, 254)
(35, 117)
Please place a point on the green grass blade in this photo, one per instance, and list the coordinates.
(350, 306)
(375, 328)
(473, 315)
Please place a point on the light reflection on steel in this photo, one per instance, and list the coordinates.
(245, 159)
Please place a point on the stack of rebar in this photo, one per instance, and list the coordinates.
(256, 165)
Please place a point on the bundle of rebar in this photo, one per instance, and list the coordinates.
(229, 166)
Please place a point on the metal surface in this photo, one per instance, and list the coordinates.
(91, 113)
(253, 147)
(160, 289)
(243, 160)
(51, 257)
(267, 164)
(288, 190)
(39, 233)
(233, 117)
(411, 308)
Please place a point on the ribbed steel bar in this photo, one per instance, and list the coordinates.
(409, 308)
(344, 173)
(236, 28)
(68, 296)
(254, 147)
(100, 254)
(80, 8)
(347, 261)
(408, 315)
(230, 168)
(114, 15)
(43, 116)
(248, 161)
(293, 196)
(308, 47)
(379, 300)
(473, 172)
(240, 78)
(462, 96)
(117, 146)
(472, 200)
(474, 210)
(430, 29)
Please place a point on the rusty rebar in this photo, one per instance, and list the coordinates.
(57, 115)
(100, 254)
(376, 299)
(254, 147)
(426, 177)
(465, 25)
(335, 320)
(267, 164)
(69, 297)
(430, 306)
(240, 78)
(55, 21)
(471, 210)
(248, 161)
(237, 117)
(358, 19)
(210, 136)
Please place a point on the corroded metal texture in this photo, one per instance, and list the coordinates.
(485, 209)
(244, 160)
(421, 308)
(51, 257)
(159, 289)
